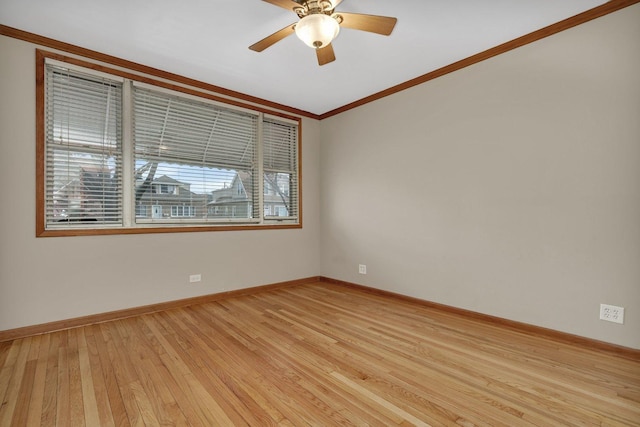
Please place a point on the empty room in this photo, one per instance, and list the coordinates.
(320, 212)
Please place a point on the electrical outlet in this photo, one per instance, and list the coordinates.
(195, 278)
(611, 313)
(362, 269)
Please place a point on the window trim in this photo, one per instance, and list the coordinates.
(166, 84)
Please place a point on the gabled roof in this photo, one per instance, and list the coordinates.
(164, 179)
(229, 193)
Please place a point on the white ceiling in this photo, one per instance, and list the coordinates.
(208, 40)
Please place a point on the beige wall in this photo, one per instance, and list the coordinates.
(47, 279)
(511, 187)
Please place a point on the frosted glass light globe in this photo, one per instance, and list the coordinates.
(317, 30)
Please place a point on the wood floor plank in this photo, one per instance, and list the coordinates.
(121, 361)
(50, 395)
(21, 412)
(176, 406)
(76, 396)
(14, 383)
(358, 349)
(314, 354)
(145, 407)
(8, 371)
(280, 371)
(97, 376)
(298, 377)
(207, 373)
(88, 388)
(63, 410)
(473, 351)
(5, 349)
(261, 385)
(39, 381)
(233, 396)
(208, 409)
(100, 336)
(326, 383)
(259, 371)
(332, 360)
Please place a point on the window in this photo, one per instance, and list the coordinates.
(165, 189)
(83, 140)
(183, 211)
(280, 167)
(142, 211)
(173, 160)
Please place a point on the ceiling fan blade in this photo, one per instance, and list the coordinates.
(286, 4)
(273, 38)
(325, 55)
(372, 23)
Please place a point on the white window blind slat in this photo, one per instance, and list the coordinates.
(190, 161)
(168, 128)
(195, 161)
(83, 167)
(280, 158)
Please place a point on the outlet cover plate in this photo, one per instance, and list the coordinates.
(362, 269)
(612, 313)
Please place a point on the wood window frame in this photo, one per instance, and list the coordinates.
(173, 85)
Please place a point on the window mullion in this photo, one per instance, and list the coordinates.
(260, 168)
(128, 181)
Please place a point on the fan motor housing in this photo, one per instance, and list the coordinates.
(310, 7)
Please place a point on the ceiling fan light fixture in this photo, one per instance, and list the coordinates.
(317, 30)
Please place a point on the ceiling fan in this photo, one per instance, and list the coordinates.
(319, 24)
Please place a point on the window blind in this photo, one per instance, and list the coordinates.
(193, 154)
(120, 153)
(280, 160)
(83, 143)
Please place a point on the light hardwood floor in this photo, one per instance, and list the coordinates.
(317, 354)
